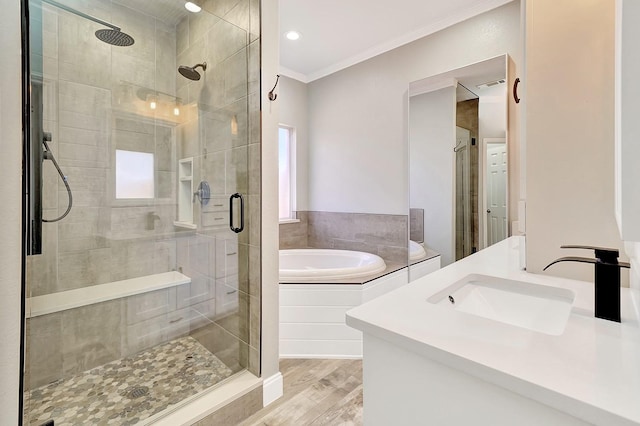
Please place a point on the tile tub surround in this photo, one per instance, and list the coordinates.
(295, 234)
(384, 235)
(416, 225)
(128, 390)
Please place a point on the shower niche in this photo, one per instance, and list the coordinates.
(139, 272)
(185, 193)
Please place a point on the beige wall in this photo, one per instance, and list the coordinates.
(270, 117)
(569, 131)
(10, 210)
(358, 156)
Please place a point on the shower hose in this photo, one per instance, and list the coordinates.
(48, 155)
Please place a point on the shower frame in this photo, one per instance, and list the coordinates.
(34, 135)
(27, 178)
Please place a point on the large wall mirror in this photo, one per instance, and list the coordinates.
(458, 159)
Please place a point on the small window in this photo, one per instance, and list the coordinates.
(134, 174)
(286, 166)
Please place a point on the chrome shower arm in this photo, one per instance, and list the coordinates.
(81, 14)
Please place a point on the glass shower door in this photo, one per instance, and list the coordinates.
(142, 296)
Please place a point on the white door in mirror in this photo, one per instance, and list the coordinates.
(496, 192)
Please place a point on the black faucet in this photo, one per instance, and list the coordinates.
(607, 279)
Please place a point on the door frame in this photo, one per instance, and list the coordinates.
(484, 144)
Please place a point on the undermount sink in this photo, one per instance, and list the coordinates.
(535, 307)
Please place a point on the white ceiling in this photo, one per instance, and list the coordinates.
(168, 11)
(339, 33)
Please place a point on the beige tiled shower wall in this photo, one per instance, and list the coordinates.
(89, 87)
(94, 106)
(222, 134)
(381, 234)
(416, 225)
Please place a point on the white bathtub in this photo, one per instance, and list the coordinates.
(416, 251)
(303, 265)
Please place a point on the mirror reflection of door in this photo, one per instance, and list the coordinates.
(496, 189)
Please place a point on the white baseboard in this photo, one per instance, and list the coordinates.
(272, 389)
(308, 348)
(320, 356)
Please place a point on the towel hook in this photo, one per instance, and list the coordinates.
(273, 96)
(515, 90)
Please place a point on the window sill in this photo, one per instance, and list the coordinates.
(283, 221)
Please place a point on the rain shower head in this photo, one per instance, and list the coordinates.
(190, 72)
(113, 36)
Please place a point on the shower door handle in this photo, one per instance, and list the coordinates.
(234, 229)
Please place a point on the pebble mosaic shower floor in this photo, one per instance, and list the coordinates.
(128, 390)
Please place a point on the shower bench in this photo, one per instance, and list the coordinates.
(69, 299)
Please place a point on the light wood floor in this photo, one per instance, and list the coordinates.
(316, 392)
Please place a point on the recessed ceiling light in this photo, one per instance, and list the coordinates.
(192, 7)
(292, 35)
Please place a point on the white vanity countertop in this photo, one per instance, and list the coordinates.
(591, 371)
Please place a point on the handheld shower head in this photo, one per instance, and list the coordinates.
(190, 72)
